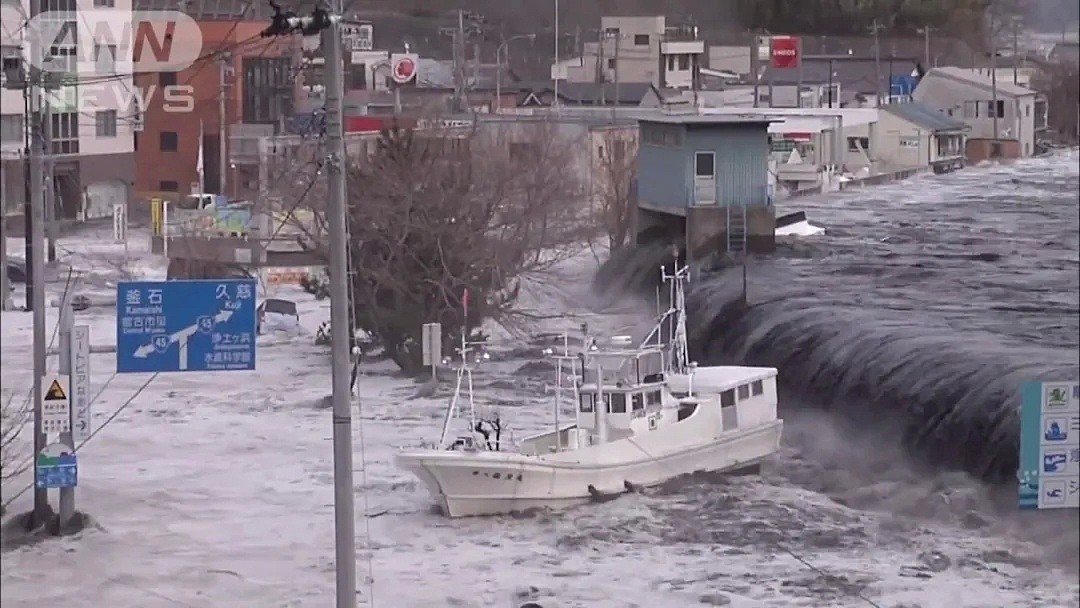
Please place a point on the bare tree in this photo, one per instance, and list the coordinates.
(614, 184)
(12, 420)
(439, 212)
(1060, 82)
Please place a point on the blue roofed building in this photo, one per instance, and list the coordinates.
(915, 135)
(705, 177)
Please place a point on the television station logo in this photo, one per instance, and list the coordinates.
(109, 42)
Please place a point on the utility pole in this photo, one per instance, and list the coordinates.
(875, 27)
(925, 31)
(614, 106)
(1015, 48)
(36, 259)
(341, 341)
(555, 67)
(5, 287)
(459, 63)
(993, 75)
(329, 26)
(223, 157)
(51, 226)
(755, 67)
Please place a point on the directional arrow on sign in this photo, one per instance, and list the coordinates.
(181, 337)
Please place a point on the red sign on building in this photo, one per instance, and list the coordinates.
(785, 52)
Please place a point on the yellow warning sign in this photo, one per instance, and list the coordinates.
(55, 392)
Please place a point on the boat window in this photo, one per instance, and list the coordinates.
(758, 387)
(727, 398)
(638, 401)
(652, 398)
(586, 403)
(616, 402)
(744, 391)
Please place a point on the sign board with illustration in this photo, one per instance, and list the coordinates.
(1049, 472)
(56, 466)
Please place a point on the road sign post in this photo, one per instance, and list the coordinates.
(1049, 472)
(185, 326)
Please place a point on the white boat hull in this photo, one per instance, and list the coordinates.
(489, 483)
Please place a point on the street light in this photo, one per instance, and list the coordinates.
(499, 52)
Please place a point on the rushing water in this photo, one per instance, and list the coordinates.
(926, 305)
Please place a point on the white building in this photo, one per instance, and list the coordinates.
(637, 49)
(913, 135)
(967, 96)
(92, 123)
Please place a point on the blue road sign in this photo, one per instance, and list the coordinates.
(185, 326)
(57, 471)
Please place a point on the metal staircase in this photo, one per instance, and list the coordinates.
(736, 229)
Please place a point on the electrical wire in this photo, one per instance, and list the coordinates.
(108, 420)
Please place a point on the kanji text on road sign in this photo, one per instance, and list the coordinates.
(55, 407)
(177, 326)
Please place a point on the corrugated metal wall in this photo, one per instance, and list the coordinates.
(742, 160)
(663, 176)
(742, 165)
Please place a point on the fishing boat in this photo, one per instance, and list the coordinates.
(644, 415)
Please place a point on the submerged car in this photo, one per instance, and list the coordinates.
(276, 315)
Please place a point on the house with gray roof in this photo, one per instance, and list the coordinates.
(912, 134)
(997, 111)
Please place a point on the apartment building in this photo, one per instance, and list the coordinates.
(638, 50)
(90, 119)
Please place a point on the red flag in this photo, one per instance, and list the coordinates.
(465, 302)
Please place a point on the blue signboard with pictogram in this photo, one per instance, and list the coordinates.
(1049, 472)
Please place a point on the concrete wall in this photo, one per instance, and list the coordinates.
(706, 230)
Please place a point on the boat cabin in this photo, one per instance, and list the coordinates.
(617, 387)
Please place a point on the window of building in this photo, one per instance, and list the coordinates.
(616, 402)
(704, 164)
(671, 63)
(586, 403)
(1027, 110)
(11, 128)
(757, 387)
(169, 141)
(105, 3)
(59, 5)
(611, 64)
(653, 398)
(618, 151)
(727, 398)
(65, 132)
(858, 144)
(167, 79)
(684, 62)
(169, 186)
(641, 40)
(744, 392)
(105, 123)
(995, 109)
(638, 401)
(61, 56)
(105, 58)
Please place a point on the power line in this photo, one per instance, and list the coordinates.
(108, 420)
